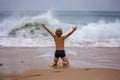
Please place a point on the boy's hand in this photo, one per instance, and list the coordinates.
(42, 24)
(74, 28)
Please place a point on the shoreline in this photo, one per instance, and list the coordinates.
(42, 56)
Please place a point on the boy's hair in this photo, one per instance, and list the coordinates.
(58, 32)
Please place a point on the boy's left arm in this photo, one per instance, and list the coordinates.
(69, 33)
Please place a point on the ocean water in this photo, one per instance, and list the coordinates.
(94, 28)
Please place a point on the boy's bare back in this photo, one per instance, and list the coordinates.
(59, 42)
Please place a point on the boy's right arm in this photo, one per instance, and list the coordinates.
(69, 33)
(45, 27)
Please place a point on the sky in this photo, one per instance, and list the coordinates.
(76, 5)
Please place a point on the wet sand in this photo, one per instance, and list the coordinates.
(15, 65)
(65, 74)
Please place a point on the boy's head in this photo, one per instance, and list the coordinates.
(58, 32)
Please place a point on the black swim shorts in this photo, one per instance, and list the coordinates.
(60, 53)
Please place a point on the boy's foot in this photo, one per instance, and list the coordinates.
(61, 64)
(52, 64)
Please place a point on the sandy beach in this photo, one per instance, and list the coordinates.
(65, 74)
(32, 64)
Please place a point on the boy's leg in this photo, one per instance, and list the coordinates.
(54, 62)
(64, 61)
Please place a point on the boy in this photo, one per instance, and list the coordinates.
(59, 42)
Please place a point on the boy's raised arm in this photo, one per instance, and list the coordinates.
(69, 33)
(47, 29)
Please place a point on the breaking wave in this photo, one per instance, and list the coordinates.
(27, 31)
